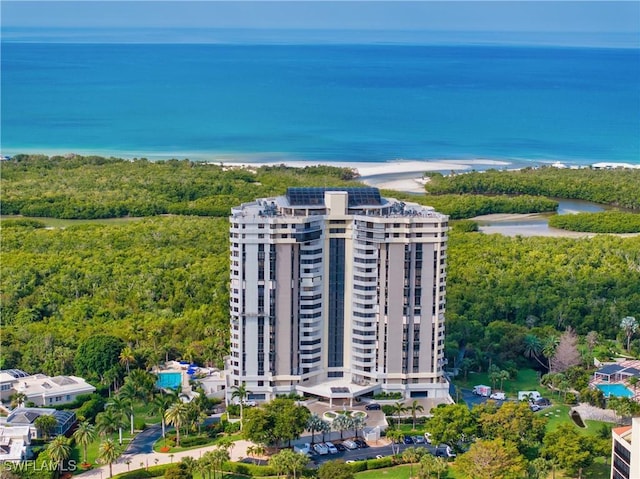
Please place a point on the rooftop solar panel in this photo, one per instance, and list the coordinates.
(312, 196)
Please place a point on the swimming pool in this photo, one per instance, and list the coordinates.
(169, 380)
(617, 390)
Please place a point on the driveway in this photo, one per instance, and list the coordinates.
(144, 441)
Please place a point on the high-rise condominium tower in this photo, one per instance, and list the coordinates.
(337, 292)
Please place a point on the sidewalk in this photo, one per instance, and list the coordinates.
(140, 461)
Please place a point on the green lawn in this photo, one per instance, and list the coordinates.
(527, 380)
(77, 452)
(397, 472)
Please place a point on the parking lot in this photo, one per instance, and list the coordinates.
(361, 454)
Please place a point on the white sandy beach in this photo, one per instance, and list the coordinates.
(399, 175)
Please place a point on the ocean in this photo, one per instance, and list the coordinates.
(329, 102)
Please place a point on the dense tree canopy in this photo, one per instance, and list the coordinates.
(97, 355)
(95, 187)
(275, 422)
(160, 284)
(618, 187)
(605, 222)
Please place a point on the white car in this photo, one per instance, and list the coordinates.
(304, 449)
(332, 449)
(498, 396)
(427, 437)
(349, 444)
(321, 449)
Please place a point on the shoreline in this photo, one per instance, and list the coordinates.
(405, 175)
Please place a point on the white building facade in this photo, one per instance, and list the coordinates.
(625, 453)
(337, 293)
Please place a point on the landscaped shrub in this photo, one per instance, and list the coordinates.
(387, 409)
(216, 428)
(571, 399)
(232, 427)
(249, 469)
(153, 471)
(192, 441)
(90, 409)
(380, 463)
(384, 395)
(139, 424)
(358, 466)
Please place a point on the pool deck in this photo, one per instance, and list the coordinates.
(632, 363)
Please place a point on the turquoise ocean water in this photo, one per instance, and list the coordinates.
(329, 102)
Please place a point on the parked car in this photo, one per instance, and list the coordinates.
(444, 451)
(379, 456)
(332, 449)
(419, 440)
(543, 402)
(321, 449)
(427, 437)
(374, 406)
(361, 443)
(304, 449)
(340, 447)
(349, 444)
(534, 407)
(499, 396)
(408, 440)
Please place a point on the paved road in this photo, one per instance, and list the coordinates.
(144, 441)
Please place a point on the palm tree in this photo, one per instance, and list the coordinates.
(241, 393)
(533, 348)
(357, 423)
(465, 365)
(127, 357)
(494, 374)
(218, 457)
(288, 462)
(190, 464)
(129, 394)
(395, 436)
(630, 326)
(341, 423)
(549, 345)
(176, 416)
(314, 423)
(59, 450)
(204, 466)
(160, 404)
(46, 424)
(325, 428)
(108, 453)
(399, 409)
(256, 450)
(120, 406)
(142, 382)
(633, 381)
(84, 435)
(415, 408)
(18, 399)
(410, 455)
(108, 422)
(439, 466)
(503, 376)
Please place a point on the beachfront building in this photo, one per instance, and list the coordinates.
(337, 293)
(625, 455)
